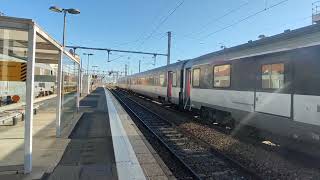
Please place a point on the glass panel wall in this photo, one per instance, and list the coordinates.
(13, 75)
(45, 80)
(69, 90)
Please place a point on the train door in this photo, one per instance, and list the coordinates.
(169, 87)
(272, 96)
(187, 100)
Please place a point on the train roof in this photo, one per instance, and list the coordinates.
(173, 66)
(288, 40)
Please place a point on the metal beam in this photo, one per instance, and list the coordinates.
(169, 47)
(59, 96)
(24, 44)
(29, 100)
(116, 50)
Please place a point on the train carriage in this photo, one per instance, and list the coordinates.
(270, 84)
(162, 83)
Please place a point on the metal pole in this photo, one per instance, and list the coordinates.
(117, 76)
(59, 85)
(88, 65)
(78, 87)
(108, 55)
(125, 70)
(139, 65)
(169, 48)
(29, 100)
(81, 78)
(128, 71)
(64, 28)
(59, 96)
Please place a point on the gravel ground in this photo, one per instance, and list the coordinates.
(269, 165)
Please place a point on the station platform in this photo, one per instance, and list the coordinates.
(135, 157)
(47, 149)
(103, 143)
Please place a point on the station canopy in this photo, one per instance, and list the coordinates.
(14, 42)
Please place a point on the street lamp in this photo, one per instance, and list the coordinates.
(59, 92)
(64, 11)
(88, 54)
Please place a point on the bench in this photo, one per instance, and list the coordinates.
(7, 118)
(13, 115)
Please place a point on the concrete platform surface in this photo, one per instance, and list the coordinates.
(149, 161)
(47, 149)
(89, 154)
(103, 144)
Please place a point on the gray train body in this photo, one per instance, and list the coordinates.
(272, 84)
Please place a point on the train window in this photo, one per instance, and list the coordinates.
(272, 76)
(174, 79)
(161, 79)
(196, 77)
(221, 76)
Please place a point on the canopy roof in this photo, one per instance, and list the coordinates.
(14, 34)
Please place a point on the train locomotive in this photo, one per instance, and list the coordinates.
(271, 84)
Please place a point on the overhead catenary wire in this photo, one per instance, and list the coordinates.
(143, 40)
(214, 20)
(141, 36)
(160, 35)
(243, 19)
(162, 22)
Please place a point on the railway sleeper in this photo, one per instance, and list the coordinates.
(160, 130)
(190, 151)
(157, 124)
(184, 139)
(170, 135)
(168, 129)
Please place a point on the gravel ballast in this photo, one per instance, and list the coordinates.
(270, 165)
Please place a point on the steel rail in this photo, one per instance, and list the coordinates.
(187, 167)
(222, 155)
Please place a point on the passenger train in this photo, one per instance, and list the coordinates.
(271, 84)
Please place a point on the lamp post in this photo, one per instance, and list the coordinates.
(64, 11)
(59, 85)
(88, 54)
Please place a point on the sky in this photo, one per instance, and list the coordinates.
(198, 27)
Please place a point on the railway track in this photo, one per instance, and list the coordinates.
(198, 159)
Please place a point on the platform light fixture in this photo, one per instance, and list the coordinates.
(88, 54)
(64, 11)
